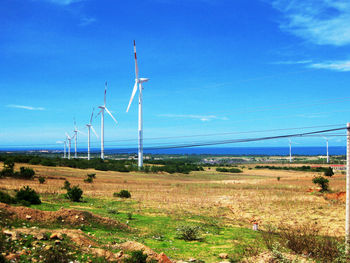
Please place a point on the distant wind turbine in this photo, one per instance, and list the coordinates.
(69, 144)
(64, 147)
(104, 108)
(290, 150)
(75, 136)
(89, 126)
(327, 148)
(138, 82)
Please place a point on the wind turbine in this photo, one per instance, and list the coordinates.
(69, 144)
(64, 147)
(290, 150)
(75, 136)
(89, 126)
(327, 148)
(104, 108)
(138, 82)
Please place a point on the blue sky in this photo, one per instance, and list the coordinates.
(214, 67)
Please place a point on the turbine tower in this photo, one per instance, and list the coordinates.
(75, 136)
(69, 144)
(327, 148)
(290, 150)
(104, 108)
(64, 147)
(89, 126)
(138, 82)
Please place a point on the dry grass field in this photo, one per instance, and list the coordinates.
(235, 198)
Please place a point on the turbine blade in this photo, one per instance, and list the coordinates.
(132, 95)
(81, 132)
(93, 130)
(68, 136)
(136, 66)
(105, 93)
(92, 114)
(99, 113)
(110, 114)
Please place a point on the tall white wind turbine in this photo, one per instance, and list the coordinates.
(69, 144)
(89, 126)
(104, 108)
(138, 83)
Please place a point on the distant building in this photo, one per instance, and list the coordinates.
(339, 167)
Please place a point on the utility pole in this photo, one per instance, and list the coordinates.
(347, 213)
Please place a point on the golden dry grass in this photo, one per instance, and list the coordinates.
(238, 198)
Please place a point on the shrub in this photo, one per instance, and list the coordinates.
(322, 182)
(306, 239)
(66, 185)
(123, 194)
(189, 232)
(136, 257)
(129, 215)
(229, 170)
(26, 173)
(75, 194)
(6, 198)
(329, 172)
(88, 180)
(41, 180)
(91, 176)
(26, 194)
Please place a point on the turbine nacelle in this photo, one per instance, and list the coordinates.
(141, 80)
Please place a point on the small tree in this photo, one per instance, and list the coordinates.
(329, 172)
(322, 182)
(90, 178)
(75, 194)
(8, 169)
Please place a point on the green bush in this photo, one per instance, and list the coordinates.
(329, 172)
(75, 194)
(322, 182)
(123, 194)
(26, 173)
(229, 170)
(136, 257)
(41, 180)
(27, 194)
(189, 232)
(66, 185)
(6, 198)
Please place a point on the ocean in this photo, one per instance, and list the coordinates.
(269, 151)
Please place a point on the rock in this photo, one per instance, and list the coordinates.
(28, 217)
(223, 255)
(162, 258)
(120, 254)
(56, 236)
(48, 247)
(192, 260)
(12, 256)
(40, 236)
(77, 217)
(57, 242)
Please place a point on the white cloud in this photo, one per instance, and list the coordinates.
(323, 22)
(333, 65)
(292, 62)
(197, 117)
(63, 2)
(25, 107)
(85, 21)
